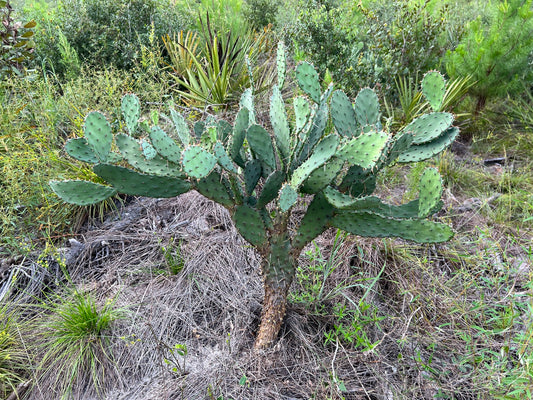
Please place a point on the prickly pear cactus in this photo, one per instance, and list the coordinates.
(261, 176)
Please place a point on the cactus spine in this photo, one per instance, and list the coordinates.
(246, 169)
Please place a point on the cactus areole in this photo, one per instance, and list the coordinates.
(261, 176)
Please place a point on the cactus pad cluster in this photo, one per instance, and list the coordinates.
(260, 176)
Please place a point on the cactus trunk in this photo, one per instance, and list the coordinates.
(278, 268)
(274, 308)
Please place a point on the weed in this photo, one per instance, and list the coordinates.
(15, 363)
(76, 345)
(173, 257)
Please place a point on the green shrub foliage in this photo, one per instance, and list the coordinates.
(496, 50)
(17, 41)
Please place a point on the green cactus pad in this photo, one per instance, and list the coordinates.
(261, 144)
(427, 150)
(365, 149)
(434, 88)
(247, 101)
(224, 130)
(98, 134)
(222, 157)
(308, 80)
(165, 145)
(430, 187)
(302, 111)
(373, 225)
(323, 151)
(82, 193)
(214, 187)
(250, 225)
(322, 176)
(398, 145)
(198, 129)
(316, 131)
(236, 189)
(148, 150)
(367, 107)
(134, 183)
(131, 111)
(183, 131)
(132, 153)
(343, 201)
(429, 126)
(252, 173)
(314, 222)
(358, 182)
(197, 162)
(278, 118)
(287, 197)
(281, 64)
(242, 121)
(79, 149)
(343, 114)
(270, 188)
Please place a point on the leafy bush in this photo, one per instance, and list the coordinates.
(496, 50)
(396, 40)
(260, 13)
(103, 32)
(17, 43)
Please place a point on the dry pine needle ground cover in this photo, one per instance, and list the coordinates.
(381, 320)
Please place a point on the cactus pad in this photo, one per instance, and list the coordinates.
(82, 193)
(79, 149)
(197, 162)
(322, 176)
(181, 127)
(250, 225)
(131, 111)
(302, 110)
(98, 134)
(132, 153)
(148, 150)
(261, 144)
(270, 188)
(367, 107)
(430, 187)
(252, 173)
(323, 151)
(281, 64)
(308, 80)
(247, 101)
(278, 118)
(134, 183)
(222, 157)
(314, 222)
(434, 88)
(165, 145)
(364, 150)
(373, 225)
(215, 188)
(287, 197)
(429, 126)
(343, 114)
(427, 150)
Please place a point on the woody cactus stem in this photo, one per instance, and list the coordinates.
(259, 176)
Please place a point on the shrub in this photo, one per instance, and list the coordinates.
(496, 50)
(260, 13)
(17, 42)
(104, 32)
